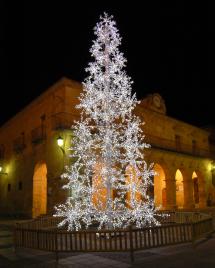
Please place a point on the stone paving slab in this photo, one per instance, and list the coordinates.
(9, 254)
(92, 261)
(182, 256)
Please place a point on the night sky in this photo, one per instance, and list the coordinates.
(170, 49)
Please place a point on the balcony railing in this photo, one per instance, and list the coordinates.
(19, 145)
(38, 134)
(63, 121)
(171, 145)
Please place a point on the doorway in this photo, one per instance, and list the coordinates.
(39, 190)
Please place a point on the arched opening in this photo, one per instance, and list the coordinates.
(159, 191)
(99, 196)
(179, 189)
(100, 188)
(131, 178)
(204, 200)
(39, 190)
(195, 189)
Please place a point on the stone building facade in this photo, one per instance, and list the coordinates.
(31, 161)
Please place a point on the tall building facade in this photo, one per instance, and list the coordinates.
(34, 152)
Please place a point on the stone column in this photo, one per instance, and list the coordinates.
(202, 193)
(170, 193)
(188, 193)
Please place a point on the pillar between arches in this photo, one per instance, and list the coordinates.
(170, 194)
(202, 194)
(188, 193)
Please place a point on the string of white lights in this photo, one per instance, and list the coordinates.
(109, 178)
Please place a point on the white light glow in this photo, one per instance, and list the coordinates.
(60, 141)
(107, 148)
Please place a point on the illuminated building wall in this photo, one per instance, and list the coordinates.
(32, 161)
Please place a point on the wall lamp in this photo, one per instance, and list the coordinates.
(2, 171)
(60, 143)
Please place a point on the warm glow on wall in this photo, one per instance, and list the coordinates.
(179, 189)
(159, 187)
(212, 168)
(194, 175)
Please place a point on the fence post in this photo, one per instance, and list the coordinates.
(56, 248)
(193, 234)
(38, 241)
(23, 244)
(131, 244)
(15, 237)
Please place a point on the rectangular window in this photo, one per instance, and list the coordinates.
(9, 187)
(20, 186)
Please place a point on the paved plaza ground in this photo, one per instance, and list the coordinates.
(180, 256)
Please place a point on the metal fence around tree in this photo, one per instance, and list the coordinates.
(179, 227)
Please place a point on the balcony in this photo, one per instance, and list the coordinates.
(63, 121)
(19, 145)
(173, 146)
(38, 135)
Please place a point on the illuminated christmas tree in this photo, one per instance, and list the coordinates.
(109, 177)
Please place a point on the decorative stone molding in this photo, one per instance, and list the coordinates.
(154, 102)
